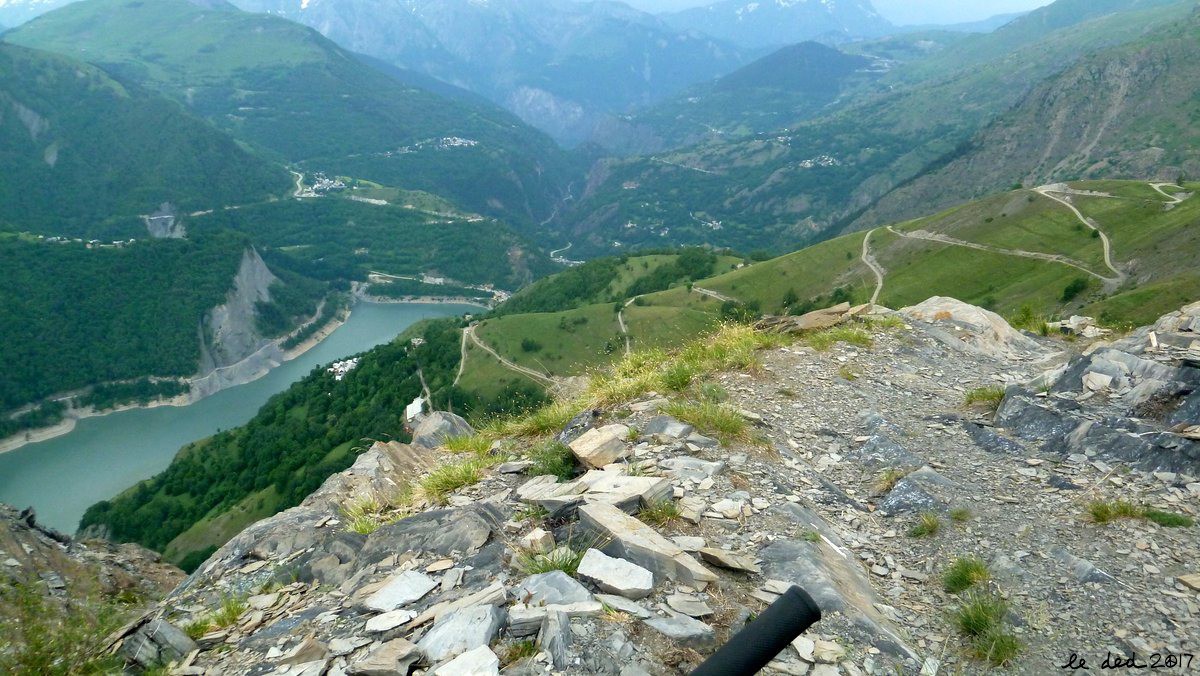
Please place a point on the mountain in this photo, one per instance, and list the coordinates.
(771, 23)
(17, 12)
(791, 84)
(782, 188)
(562, 66)
(296, 96)
(84, 155)
(1122, 113)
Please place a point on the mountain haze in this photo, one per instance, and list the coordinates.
(772, 23)
(560, 65)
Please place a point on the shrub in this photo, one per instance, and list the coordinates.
(965, 573)
(530, 345)
(1074, 288)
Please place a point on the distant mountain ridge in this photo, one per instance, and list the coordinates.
(559, 65)
(772, 23)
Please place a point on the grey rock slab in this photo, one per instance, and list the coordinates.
(157, 642)
(525, 620)
(393, 658)
(435, 428)
(630, 539)
(555, 637)
(553, 588)
(687, 467)
(1082, 569)
(479, 661)
(616, 576)
(689, 605)
(689, 543)
(438, 533)
(726, 559)
(684, 630)
(666, 427)
(400, 590)
(460, 631)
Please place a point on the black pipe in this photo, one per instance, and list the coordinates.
(763, 639)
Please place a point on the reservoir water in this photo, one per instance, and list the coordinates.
(103, 456)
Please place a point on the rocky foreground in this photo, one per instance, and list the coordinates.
(1062, 513)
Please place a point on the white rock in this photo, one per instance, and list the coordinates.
(479, 661)
(400, 590)
(616, 576)
(389, 621)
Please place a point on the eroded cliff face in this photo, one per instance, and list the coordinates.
(232, 350)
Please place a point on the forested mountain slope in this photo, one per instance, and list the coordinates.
(296, 96)
(83, 155)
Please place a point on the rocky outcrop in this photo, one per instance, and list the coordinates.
(1136, 400)
(232, 350)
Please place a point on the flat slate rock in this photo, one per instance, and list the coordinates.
(400, 590)
(551, 589)
(616, 576)
(684, 630)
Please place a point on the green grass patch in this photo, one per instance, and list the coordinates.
(988, 397)
(1168, 519)
(562, 558)
(511, 653)
(444, 480)
(718, 420)
(661, 513)
(552, 458)
(822, 341)
(887, 480)
(980, 614)
(965, 573)
(928, 525)
(230, 610)
(961, 515)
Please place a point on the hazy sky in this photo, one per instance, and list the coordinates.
(898, 11)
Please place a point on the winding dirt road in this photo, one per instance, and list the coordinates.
(536, 375)
(1175, 199)
(1048, 191)
(869, 260)
(621, 323)
(713, 294)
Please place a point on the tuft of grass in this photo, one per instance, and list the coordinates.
(367, 513)
(677, 376)
(719, 420)
(888, 322)
(534, 513)
(444, 480)
(515, 652)
(853, 335)
(988, 397)
(1104, 511)
(887, 480)
(997, 647)
(928, 524)
(231, 609)
(810, 536)
(551, 457)
(68, 636)
(980, 614)
(562, 558)
(197, 628)
(846, 373)
(1167, 519)
(964, 573)
(661, 513)
(961, 515)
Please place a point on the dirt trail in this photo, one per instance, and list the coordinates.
(713, 294)
(540, 377)
(1048, 190)
(462, 357)
(869, 260)
(624, 328)
(1175, 199)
